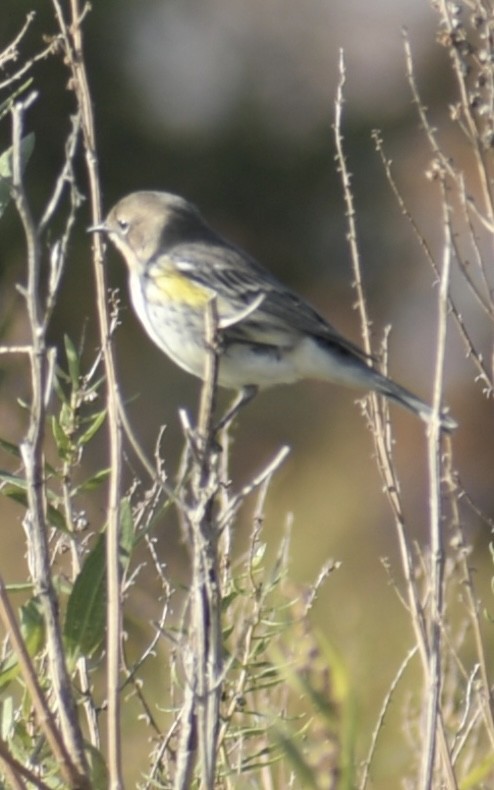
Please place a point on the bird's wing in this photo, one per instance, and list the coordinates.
(279, 315)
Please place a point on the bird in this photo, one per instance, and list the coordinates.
(269, 334)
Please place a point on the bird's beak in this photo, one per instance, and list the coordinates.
(98, 228)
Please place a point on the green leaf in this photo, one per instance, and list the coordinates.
(57, 519)
(72, 361)
(98, 768)
(96, 424)
(6, 105)
(11, 449)
(63, 444)
(61, 376)
(127, 533)
(92, 482)
(15, 481)
(84, 628)
(258, 555)
(66, 419)
(9, 671)
(15, 488)
(480, 773)
(6, 164)
(7, 721)
(229, 599)
(294, 755)
(33, 632)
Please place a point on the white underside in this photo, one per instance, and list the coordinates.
(241, 365)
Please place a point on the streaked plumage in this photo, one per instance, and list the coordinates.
(177, 263)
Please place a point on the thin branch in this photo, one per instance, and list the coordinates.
(206, 592)
(433, 714)
(43, 713)
(71, 34)
(33, 457)
(11, 52)
(16, 350)
(350, 212)
(14, 770)
(65, 176)
(235, 502)
(382, 715)
(485, 691)
(473, 134)
(381, 432)
(28, 65)
(381, 436)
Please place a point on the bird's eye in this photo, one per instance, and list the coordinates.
(123, 225)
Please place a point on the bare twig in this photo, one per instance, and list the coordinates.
(435, 521)
(45, 718)
(16, 350)
(66, 176)
(71, 34)
(33, 457)
(383, 449)
(206, 592)
(483, 374)
(235, 502)
(472, 129)
(350, 208)
(485, 691)
(11, 52)
(382, 715)
(382, 436)
(16, 772)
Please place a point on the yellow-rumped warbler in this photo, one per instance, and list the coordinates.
(177, 263)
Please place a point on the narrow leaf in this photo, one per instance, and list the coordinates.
(10, 448)
(84, 628)
(15, 488)
(60, 436)
(72, 361)
(92, 482)
(27, 145)
(99, 771)
(33, 632)
(294, 755)
(127, 533)
(96, 424)
(6, 105)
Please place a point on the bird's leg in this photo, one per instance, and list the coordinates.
(242, 398)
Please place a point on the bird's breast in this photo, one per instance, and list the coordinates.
(176, 289)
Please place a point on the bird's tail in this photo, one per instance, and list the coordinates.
(410, 401)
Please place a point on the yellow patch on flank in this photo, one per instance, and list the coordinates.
(177, 288)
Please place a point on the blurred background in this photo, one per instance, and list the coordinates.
(230, 103)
